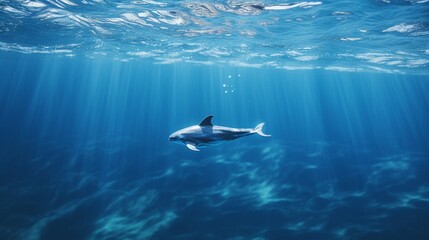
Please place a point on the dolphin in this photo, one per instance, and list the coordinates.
(206, 134)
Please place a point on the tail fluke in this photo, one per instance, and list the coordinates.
(258, 130)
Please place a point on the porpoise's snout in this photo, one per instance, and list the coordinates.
(173, 137)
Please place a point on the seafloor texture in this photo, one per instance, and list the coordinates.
(265, 191)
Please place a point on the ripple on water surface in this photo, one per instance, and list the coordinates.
(333, 35)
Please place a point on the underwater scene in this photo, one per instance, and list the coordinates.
(217, 119)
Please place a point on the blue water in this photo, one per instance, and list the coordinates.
(90, 91)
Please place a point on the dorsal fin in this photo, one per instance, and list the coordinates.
(207, 121)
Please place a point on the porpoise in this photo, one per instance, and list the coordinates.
(207, 134)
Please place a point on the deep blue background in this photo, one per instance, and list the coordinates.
(84, 152)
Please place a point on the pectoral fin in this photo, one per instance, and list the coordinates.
(192, 147)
